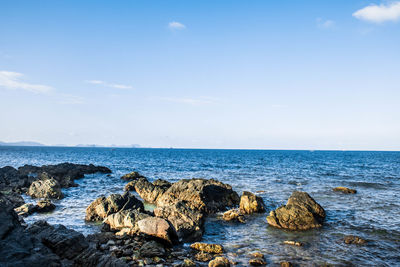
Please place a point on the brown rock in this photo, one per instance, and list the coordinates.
(233, 215)
(219, 262)
(48, 188)
(150, 192)
(351, 239)
(209, 248)
(344, 190)
(132, 176)
(158, 227)
(293, 243)
(203, 256)
(257, 259)
(250, 203)
(124, 219)
(286, 264)
(25, 209)
(301, 212)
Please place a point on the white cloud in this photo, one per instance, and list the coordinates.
(325, 24)
(12, 80)
(379, 13)
(111, 85)
(174, 25)
(191, 101)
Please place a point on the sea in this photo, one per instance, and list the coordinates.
(373, 213)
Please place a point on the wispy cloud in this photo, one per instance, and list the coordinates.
(191, 101)
(174, 25)
(325, 23)
(379, 13)
(111, 85)
(13, 80)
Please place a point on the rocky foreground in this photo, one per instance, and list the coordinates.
(131, 235)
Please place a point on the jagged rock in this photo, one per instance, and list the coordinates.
(47, 188)
(351, 239)
(14, 198)
(345, 190)
(132, 176)
(203, 256)
(45, 205)
(257, 259)
(25, 209)
(152, 249)
(209, 248)
(187, 222)
(188, 263)
(301, 212)
(219, 262)
(233, 215)
(124, 219)
(149, 192)
(206, 196)
(250, 203)
(159, 228)
(64, 173)
(103, 207)
(11, 179)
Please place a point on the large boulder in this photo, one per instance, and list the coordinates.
(188, 222)
(301, 212)
(46, 188)
(206, 196)
(250, 203)
(149, 192)
(159, 228)
(103, 206)
(125, 219)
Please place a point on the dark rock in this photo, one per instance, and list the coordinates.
(301, 212)
(351, 239)
(207, 196)
(152, 249)
(46, 188)
(14, 198)
(345, 190)
(103, 207)
(188, 222)
(250, 203)
(45, 205)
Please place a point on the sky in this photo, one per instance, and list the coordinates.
(202, 74)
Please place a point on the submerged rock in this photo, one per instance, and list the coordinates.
(344, 190)
(208, 248)
(250, 203)
(351, 239)
(187, 222)
(46, 188)
(301, 212)
(207, 196)
(233, 215)
(257, 259)
(286, 264)
(219, 262)
(103, 207)
(293, 243)
(158, 227)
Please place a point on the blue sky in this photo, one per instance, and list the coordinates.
(202, 74)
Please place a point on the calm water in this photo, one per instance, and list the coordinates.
(373, 213)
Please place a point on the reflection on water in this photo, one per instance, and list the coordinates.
(373, 213)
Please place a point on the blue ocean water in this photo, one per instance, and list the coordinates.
(373, 213)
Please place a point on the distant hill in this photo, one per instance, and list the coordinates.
(21, 143)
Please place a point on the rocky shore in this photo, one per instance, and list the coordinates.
(131, 235)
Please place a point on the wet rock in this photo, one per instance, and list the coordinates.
(286, 264)
(25, 209)
(293, 243)
(46, 188)
(345, 190)
(257, 259)
(132, 176)
(351, 239)
(301, 212)
(150, 192)
(152, 249)
(103, 207)
(250, 203)
(64, 173)
(203, 256)
(188, 263)
(209, 248)
(233, 215)
(45, 205)
(219, 262)
(206, 196)
(124, 219)
(159, 228)
(187, 222)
